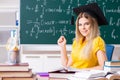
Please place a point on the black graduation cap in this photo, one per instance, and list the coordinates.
(94, 10)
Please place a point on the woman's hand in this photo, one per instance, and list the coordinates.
(61, 41)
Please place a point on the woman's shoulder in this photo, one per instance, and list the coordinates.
(75, 41)
(99, 44)
(99, 40)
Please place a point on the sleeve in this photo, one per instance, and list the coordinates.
(98, 44)
(73, 46)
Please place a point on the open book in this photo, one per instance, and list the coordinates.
(95, 75)
(110, 76)
(76, 74)
(61, 73)
(64, 69)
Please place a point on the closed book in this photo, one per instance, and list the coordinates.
(112, 63)
(42, 76)
(61, 73)
(16, 73)
(112, 68)
(17, 78)
(14, 67)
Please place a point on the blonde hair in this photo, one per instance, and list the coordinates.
(93, 34)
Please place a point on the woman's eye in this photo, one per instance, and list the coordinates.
(80, 24)
(87, 23)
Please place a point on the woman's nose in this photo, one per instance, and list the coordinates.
(83, 26)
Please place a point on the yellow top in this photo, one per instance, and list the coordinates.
(98, 44)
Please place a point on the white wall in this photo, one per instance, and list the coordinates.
(6, 6)
(9, 4)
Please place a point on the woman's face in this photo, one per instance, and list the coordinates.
(84, 26)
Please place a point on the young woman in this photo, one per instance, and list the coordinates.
(88, 48)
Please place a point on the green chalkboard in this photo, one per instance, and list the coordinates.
(44, 21)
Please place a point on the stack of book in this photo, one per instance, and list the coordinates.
(19, 71)
(59, 74)
(112, 66)
(45, 76)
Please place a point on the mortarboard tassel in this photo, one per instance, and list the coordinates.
(72, 20)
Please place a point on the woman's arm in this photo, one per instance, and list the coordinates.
(64, 58)
(101, 59)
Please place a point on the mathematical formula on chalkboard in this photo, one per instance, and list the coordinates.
(44, 21)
